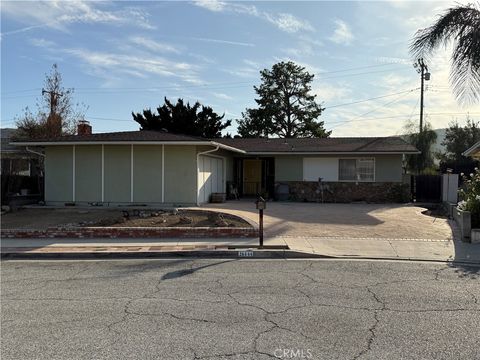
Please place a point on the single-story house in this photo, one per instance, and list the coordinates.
(161, 168)
(15, 160)
(473, 151)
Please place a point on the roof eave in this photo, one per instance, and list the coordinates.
(103, 142)
(332, 152)
(472, 149)
(226, 147)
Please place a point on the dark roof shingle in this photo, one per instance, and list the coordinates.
(144, 135)
(298, 145)
(326, 145)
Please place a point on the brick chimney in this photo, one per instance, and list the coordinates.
(84, 128)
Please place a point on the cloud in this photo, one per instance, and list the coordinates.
(288, 22)
(211, 5)
(59, 14)
(342, 34)
(283, 21)
(248, 69)
(312, 69)
(105, 63)
(330, 93)
(154, 45)
(43, 43)
(227, 42)
(222, 96)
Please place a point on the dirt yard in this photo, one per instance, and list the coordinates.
(71, 217)
(182, 218)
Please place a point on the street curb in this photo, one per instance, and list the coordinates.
(231, 252)
(474, 263)
(239, 253)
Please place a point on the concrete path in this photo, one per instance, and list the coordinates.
(340, 230)
(390, 221)
(435, 250)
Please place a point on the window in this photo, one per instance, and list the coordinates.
(356, 169)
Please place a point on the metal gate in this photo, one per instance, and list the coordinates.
(427, 188)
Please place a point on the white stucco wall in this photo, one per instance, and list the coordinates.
(325, 168)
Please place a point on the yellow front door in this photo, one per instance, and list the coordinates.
(252, 176)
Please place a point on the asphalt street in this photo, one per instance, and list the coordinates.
(239, 309)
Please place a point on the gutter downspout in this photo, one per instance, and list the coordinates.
(198, 170)
(34, 152)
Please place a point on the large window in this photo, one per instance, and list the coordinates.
(356, 169)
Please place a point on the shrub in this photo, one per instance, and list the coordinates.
(470, 196)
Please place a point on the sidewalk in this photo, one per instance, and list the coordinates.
(372, 248)
(414, 249)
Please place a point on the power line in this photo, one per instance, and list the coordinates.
(357, 68)
(365, 100)
(406, 115)
(20, 91)
(108, 119)
(247, 83)
(361, 73)
(413, 110)
(373, 110)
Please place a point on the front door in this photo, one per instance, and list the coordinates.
(252, 176)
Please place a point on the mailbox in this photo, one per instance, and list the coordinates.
(261, 203)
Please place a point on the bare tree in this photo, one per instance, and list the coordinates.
(56, 115)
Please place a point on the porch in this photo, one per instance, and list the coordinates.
(253, 176)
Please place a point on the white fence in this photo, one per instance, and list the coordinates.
(450, 188)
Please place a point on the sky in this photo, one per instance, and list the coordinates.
(124, 56)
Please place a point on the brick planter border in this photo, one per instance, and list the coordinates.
(131, 232)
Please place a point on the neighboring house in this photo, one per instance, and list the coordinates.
(155, 168)
(16, 160)
(21, 172)
(473, 152)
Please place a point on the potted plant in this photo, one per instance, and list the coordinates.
(470, 202)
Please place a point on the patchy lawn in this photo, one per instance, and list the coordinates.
(75, 217)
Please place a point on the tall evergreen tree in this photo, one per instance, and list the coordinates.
(286, 107)
(459, 138)
(181, 118)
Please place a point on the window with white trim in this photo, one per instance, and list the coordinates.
(362, 169)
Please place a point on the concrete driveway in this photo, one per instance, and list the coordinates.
(387, 221)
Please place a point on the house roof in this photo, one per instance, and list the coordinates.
(7, 149)
(473, 151)
(252, 146)
(6, 134)
(124, 136)
(127, 137)
(323, 145)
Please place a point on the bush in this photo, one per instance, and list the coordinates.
(470, 196)
(400, 193)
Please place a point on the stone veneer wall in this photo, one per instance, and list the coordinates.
(345, 192)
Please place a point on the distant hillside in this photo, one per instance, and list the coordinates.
(440, 137)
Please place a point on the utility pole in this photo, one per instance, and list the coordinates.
(52, 117)
(422, 69)
(53, 99)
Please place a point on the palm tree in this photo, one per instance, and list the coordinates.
(460, 25)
